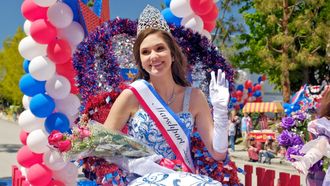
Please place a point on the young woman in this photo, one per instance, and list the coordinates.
(166, 128)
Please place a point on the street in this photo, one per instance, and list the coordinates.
(9, 145)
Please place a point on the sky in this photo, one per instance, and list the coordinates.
(11, 17)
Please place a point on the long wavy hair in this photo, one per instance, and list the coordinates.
(324, 110)
(179, 65)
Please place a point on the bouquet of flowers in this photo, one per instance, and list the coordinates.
(295, 135)
(90, 138)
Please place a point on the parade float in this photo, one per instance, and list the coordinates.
(77, 61)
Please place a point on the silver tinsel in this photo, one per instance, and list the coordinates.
(122, 45)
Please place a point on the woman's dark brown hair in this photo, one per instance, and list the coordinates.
(324, 110)
(179, 66)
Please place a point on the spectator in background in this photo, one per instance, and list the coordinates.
(245, 126)
(263, 121)
(269, 151)
(232, 132)
(326, 80)
(254, 149)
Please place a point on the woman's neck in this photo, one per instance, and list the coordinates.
(166, 87)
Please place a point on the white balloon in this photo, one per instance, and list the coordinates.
(41, 68)
(69, 105)
(26, 101)
(60, 15)
(29, 122)
(54, 160)
(74, 33)
(72, 119)
(27, 26)
(181, 8)
(241, 77)
(37, 141)
(193, 22)
(58, 87)
(206, 34)
(30, 49)
(68, 175)
(44, 3)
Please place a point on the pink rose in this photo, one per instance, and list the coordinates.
(84, 133)
(54, 137)
(64, 146)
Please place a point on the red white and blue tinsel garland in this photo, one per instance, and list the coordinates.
(98, 68)
(98, 62)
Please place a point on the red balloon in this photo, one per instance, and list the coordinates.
(74, 88)
(233, 94)
(263, 77)
(23, 136)
(27, 158)
(257, 87)
(258, 99)
(248, 84)
(201, 7)
(239, 93)
(209, 26)
(237, 107)
(66, 69)
(211, 15)
(39, 175)
(32, 11)
(59, 51)
(43, 31)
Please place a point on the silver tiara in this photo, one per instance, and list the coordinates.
(152, 18)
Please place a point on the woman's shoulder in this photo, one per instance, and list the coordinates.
(128, 97)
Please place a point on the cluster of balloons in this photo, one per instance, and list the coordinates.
(248, 92)
(198, 15)
(50, 99)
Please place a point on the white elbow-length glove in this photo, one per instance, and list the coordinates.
(314, 151)
(219, 97)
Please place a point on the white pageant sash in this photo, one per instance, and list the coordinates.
(173, 129)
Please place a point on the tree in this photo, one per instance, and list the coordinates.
(11, 69)
(227, 26)
(285, 36)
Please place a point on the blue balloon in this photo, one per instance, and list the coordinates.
(288, 111)
(233, 100)
(167, 3)
(249, 90)
(259, 79)
(42, 105)
(257, 93)
(240, 87)
(57, 121)
(170, 17)
(286, 105)
(26, 64)
(30, 87)
(241, 105)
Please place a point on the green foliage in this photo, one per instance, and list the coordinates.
(11, 69)
(227, 26)
(283, 39)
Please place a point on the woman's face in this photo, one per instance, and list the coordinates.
(155, 55)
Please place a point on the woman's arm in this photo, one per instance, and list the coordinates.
(204, 123)
(125, 105)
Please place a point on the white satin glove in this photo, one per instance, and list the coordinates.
(219, 96)
(314, 151)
